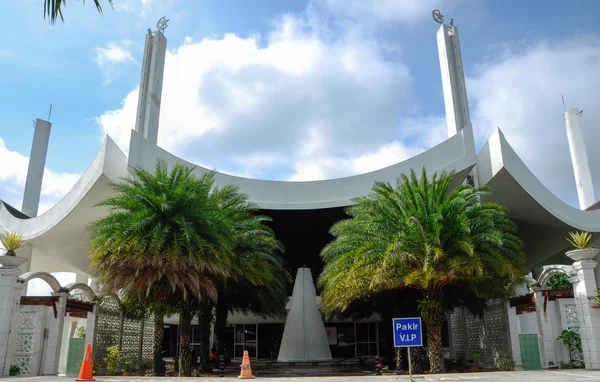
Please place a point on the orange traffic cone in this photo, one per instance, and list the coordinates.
(246, 372)
(85, 373)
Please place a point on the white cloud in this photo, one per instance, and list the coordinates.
(111, 57)
(256, 106)
(13, 173)
(520, 91)
(391, 11)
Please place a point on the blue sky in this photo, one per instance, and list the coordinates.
(296, 90)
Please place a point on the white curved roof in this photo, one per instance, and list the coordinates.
(61, 232)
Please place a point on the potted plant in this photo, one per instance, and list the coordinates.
(12, 242)
(475, 361)
(142, 369)
(113, 359)
(127, 366)
(585, 249)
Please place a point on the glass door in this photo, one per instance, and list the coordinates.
(245, 338)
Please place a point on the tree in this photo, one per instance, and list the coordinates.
(260, 282)
(560, 281)
(53, 8)
(257, 281)
(166, 237)
(420, 235)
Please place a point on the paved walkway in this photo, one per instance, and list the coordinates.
(544, 376)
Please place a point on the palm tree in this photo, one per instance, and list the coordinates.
(422, 236)
(53, 8)
(257, 282)
(165, 232)
(260, 282)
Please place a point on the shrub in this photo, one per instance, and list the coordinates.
(14, 370)
(504, 361)
(559, 281)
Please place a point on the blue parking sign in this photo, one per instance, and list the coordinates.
(407, 332)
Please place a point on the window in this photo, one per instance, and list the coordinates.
(367, 339)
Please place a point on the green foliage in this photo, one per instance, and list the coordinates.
(559, 281)
(53, 8)
(572, 340)
(127, 363)
(169, 228)
(504, 361)
(581, 240)
(422, 237)
(12, 242)
(81, 332)
(476, 359)
(14, 370)
(113, 359)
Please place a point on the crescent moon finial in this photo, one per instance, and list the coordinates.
(161, 24)
(437, 16)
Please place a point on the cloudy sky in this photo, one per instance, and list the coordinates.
(296, 90)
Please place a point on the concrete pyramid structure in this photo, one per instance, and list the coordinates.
(304, 336)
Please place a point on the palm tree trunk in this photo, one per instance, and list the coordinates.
(432, 312)
(185, 327)
(398, 360)
(220, 322)
(204, 321)
(159, 325)
(416, 363)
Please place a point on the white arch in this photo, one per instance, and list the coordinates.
(47, 277)
(83, 287)
(551, 271)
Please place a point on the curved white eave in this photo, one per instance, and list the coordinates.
(456, 153)
(499, 166)
(108, 166)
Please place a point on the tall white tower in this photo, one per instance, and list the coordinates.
(453, 76)
(153, 67)
(35, 171)
(579, 158)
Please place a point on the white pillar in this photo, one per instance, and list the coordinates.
(514, 329)
(453, 79)
(10, 300)
(545, 335)
(151, 80)
(90, 327)
(55, 335)
(584, 286)
(579, 159)
(35, 172)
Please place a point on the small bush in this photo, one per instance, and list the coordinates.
(504, 361)
(14, 370)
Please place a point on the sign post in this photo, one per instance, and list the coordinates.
(407, 334)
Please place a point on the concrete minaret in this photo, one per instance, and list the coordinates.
(35, 172)
(579, 158)
(153, 67)
(304, 337)
(453, 78)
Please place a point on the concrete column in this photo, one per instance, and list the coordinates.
(90, 328)
(453, 79)
(545, 334)
(514, 329)
(10, 300)
(35, 172)
(151, 80)
(579, 159)
(584, 286)
(55, 335)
